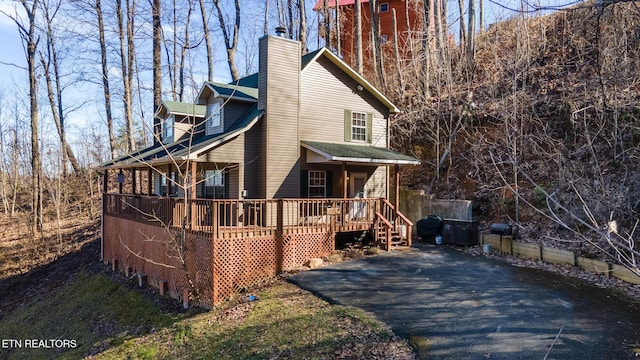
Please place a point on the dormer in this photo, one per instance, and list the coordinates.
(216, 97)
(177, 119)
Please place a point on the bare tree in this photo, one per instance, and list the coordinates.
(376, 43)
(127, 54)
(156, 12)
(463, 26)
(230, 37)
(358, 36)
(303, 26)
(207, 40)
(106, 87)
(30, 39)
(55, 86)
(471, 35)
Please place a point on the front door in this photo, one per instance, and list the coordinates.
(357, 182)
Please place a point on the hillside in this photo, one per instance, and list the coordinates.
(550, 109)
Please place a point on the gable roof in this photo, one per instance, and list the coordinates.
(182, 108)
(351, 73)
(358, 154)
(232, 90)
(246, 88)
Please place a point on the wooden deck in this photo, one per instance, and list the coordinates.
(251, 218)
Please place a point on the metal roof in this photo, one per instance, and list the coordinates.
(359, 154)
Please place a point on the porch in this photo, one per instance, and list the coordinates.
(211, 248)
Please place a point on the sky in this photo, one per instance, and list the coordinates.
(13, 74)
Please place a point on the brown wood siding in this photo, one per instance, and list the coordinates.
(325, 93)
(230, 152)
(253, 172)
(281, 91)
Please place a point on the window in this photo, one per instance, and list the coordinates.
(383, 39)
(317, 184)
(167, 128)
(384, 7)
(358, 126)
(214, 184)
(164, 184)
(214, 117)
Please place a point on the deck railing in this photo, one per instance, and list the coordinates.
(245, 218)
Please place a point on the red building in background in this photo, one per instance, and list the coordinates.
(409, 25)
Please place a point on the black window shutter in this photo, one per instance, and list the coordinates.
(329, 184)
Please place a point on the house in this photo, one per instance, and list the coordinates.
(276, 164)
(409, 26)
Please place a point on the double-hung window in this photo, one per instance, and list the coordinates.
(214, 117)
(358, 126)
(214, 184)
(384, 7)
(317, 184)
(167, 128)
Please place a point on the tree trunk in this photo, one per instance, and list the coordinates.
(105, 79)
(207, 40)
(327, 23)
(231, 41)
(463, 26)
(183, 54)
(396, 51)
(303, 26)
(31, 42)
(126, 59)
(376, 45)
(481, 14)
(428, 8)
(55, 96)
(156, 12)
(471, 34)
(358, 35)
(338, 32)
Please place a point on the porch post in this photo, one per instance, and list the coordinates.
(396, 169)
(133, 181)
(194, 172)
(149, 181)
(105, 181)
(169, 180)
(344, 180)
(120, 183)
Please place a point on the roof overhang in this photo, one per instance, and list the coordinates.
(319, 152)
(180, 151)
(233, 92)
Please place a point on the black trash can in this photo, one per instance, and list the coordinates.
(460, 232)
(428, 227)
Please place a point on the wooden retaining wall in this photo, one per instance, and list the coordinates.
(558, 256)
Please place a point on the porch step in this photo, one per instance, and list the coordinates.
(397, 240)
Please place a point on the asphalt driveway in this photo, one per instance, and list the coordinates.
(453, 305)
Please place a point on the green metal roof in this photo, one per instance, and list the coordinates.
(176, 107)
(184, 148)
(235, 91)
(359, 153)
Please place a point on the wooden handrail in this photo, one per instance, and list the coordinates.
(405, 219)
(388, 226)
